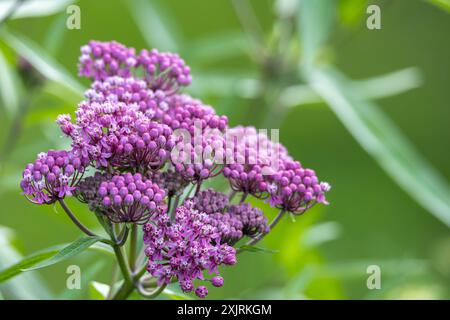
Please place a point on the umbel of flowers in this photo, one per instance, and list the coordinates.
(124, 164)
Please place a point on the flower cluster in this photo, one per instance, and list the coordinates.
(130, 198)
(145, 144)
(162, 70)
(253, 156)
(232, 222)
(185, 248)
(52, 176)
(296, 189)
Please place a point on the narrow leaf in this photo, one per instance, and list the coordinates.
(27, 285)
(315, 19)
(386, 85)
(153, 24)
(45, 64)
(71, 250)
(8, 89)
(383, 141)
(25, 263)
(256, 249)
(33, 8)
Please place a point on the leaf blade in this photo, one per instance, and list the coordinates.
(383, 141)
(45, 64)
(71, 250)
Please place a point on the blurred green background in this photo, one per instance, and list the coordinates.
(249, 60)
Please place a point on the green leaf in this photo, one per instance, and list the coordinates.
(256, 249)
(25, 286)
(383, 141)
(54, 255)
(45, 64)
(33, 8)
(378, 87)
(217, 46)
(25, 263)
(98, 290)
(9, 92)
(315, 20)
(153, 24)
(443, 4)
(71, 250)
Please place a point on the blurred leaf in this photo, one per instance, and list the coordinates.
(256, 249)
(315, 20)
(55, 34)
(225, 84)
(352, 11)
(98, 290)
(8, 89)
(386, 85)
(71, 250)
(321, 233)
(443, 4)
(25, 286)
(42, 61)
(383, 141)
(153, 21)
(216, 47)
(33, 8)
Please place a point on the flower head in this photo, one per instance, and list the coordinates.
(130, 198)
(184, 248)
(210, 201)
(54, 175)
(296, 189)
(251, 156)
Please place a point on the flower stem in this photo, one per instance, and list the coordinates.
(74, 219)
(133, 247)
(244, 196)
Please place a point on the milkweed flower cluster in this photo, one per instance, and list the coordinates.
(52, 176)
(140, 147)
(232, 221)
(185, 248)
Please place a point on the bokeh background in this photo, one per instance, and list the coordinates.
(271, 64)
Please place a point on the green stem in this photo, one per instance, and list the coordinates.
(133, 248)
(74, 219)
(122, 264)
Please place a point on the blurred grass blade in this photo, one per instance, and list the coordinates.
(39, 59)
(443, 4)
(8, 89)
(152, 21)
(315, 20)
(383, 141)
(33, 8)
(25, 286)
(386, 85)
(71, 250)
